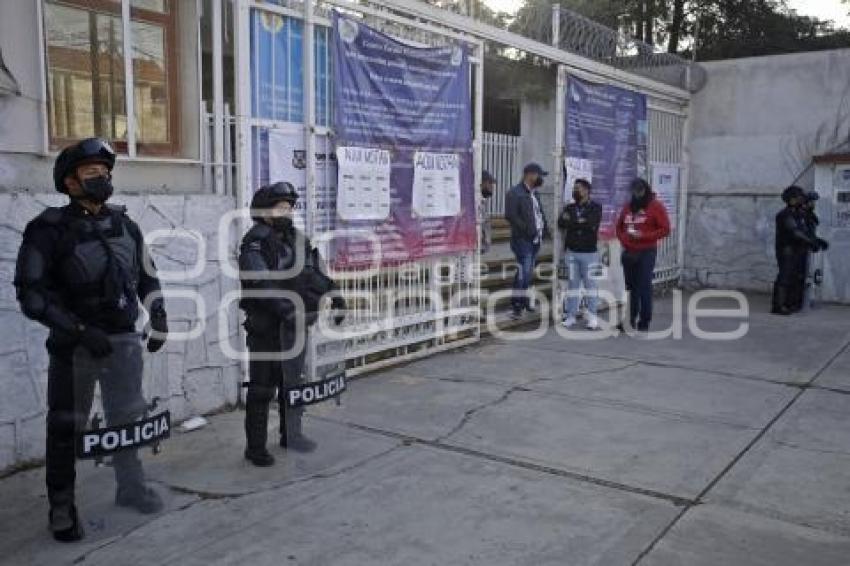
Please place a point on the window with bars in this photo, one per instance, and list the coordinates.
(86, 73)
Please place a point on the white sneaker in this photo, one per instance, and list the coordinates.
(592, 322)
(569, 322)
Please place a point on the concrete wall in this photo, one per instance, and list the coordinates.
(755, 127)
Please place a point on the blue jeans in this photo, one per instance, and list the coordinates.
(582, 267)
(638, 268)
(526, 254)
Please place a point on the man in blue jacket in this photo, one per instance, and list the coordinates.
(528, 229)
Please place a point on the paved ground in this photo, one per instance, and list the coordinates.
(537, 452)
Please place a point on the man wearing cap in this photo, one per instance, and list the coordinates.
(488, 184)
(528, 229)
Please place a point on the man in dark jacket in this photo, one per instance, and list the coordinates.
(81, 272)
(276, 259)
(528, 229)
(580, 222)
(794, 240)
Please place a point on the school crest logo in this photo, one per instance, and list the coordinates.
(348, 30)
(272, 23)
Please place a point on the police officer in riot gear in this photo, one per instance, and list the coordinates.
(278, 325)
(808, 218)
(80, 272)
(794, 240)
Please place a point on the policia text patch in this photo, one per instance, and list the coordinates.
(315, 391)
(106, 441)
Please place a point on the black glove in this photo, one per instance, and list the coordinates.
(96, 341)
(823, 244)
(338, 304)
(159, 324)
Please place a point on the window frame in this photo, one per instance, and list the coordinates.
(170, 22)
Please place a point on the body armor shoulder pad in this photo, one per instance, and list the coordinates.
(52, 215)
(259, 231)
(117, 209)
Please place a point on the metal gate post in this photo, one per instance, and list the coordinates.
(309, 73)
(558, 179)
(478, 147)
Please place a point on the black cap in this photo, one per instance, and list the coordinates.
(534, 168)
(486, 177)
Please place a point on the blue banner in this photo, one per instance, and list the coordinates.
(390, 95)
(607, 126)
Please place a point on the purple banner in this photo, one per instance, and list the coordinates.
(607, 126)
(405, 99)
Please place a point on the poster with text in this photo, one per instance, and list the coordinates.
(405, 99)
(436, 184)
(363, 189)
(607, 126)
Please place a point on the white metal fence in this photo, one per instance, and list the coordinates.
(500, 156)
(666, 141)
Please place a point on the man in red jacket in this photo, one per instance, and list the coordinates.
(643, 222)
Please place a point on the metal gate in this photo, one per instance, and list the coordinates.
(412, 310)
(394, 313)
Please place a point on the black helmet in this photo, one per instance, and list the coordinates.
(792, 192)
(89, 150)
(269, 195)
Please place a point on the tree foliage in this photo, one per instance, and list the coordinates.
(716, 28)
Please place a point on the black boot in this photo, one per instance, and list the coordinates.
(291, 436)
(780, 298)
(65, 524)
(140, 497)
(256, 433)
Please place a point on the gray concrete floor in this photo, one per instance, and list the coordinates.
(547, 451)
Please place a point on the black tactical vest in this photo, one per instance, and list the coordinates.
(99, 268)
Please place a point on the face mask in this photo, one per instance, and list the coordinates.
(281, 223)
(97, 189)
(486, 193)
(539, 182)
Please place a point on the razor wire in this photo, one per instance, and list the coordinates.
(587, 38)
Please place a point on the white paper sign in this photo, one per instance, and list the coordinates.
(364, 183)
(665, 183)
(576, 169)
(436, 184)
(288, 162)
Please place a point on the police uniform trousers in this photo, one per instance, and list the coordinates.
(69, 401)
(268, 378)
(791, 261)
